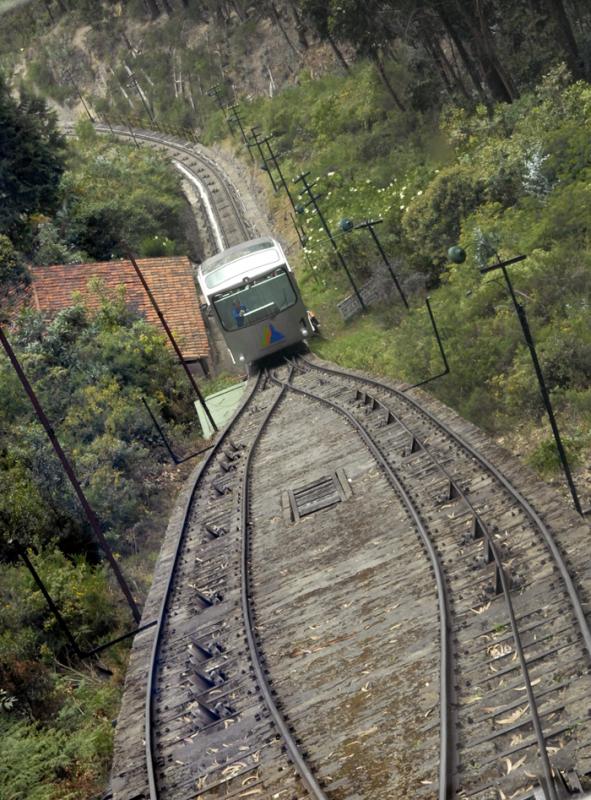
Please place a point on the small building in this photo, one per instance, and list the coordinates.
(170, 280)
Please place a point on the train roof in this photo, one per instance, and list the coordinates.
(250, 258)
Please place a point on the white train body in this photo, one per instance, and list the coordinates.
(253, 294)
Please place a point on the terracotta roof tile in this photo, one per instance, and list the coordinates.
(170, 279)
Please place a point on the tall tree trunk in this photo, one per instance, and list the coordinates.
(128, 43)
(382, 72)
(337, 52)
(300, 26)
(454, 73)
(467, 60)
(498, 78)
(573, 56)
(429, 46)
(279, 24)
(49, 11)
(152, 8)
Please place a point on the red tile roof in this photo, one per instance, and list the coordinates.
(170, 280)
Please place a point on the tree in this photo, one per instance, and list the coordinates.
(12, 270)
(368, 26)
(32, 159)
(317, 13)
(573, 56)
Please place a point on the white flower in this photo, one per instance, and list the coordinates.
(419, 193)
(402, 208)
(329, 175)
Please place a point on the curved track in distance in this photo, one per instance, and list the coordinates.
(225, 203)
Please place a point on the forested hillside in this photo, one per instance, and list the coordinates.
(66, 202)
(454, 122)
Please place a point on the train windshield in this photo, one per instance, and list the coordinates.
(260, 299)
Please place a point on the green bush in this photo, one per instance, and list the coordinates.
(432, 221)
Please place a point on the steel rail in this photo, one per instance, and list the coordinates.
(157, 642)
(534, 712)
(533, 705)
(148, 135)
(446, 789)
(571, 589)
(292, 748)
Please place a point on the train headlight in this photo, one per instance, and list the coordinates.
(304, 331)
(241, 358)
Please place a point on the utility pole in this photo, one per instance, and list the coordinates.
(347, 225)
(313, 200)
(68, 469)
(171, 339)
(522, 317)
(216, 92)
(69, 77)
(140, 91)
(274, 158)
(256, 142)
(236, 118)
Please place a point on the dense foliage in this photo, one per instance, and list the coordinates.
(160, 57)
(90, 371)
(32, 159)
(512, 181)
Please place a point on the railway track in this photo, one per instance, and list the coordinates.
(355, 602)
(359, 606)
(223, 218)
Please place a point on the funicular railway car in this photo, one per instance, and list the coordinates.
(252, 292)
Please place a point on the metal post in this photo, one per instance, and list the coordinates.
(273, 155)
(214, 91)
(90, 515)
(139, 90)
(22, 552)
(172, 340)
(166, 443)
(441, 351)
(370, 226)
(237, 119)
(257, 143)
(131, 130)
(52, 606)
(79, 93)
(314, 201)
(299, 229)
(521, 315)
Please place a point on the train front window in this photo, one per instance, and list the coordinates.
(260, 299)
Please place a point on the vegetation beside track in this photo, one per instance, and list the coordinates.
(511, 180)
(75, 201)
